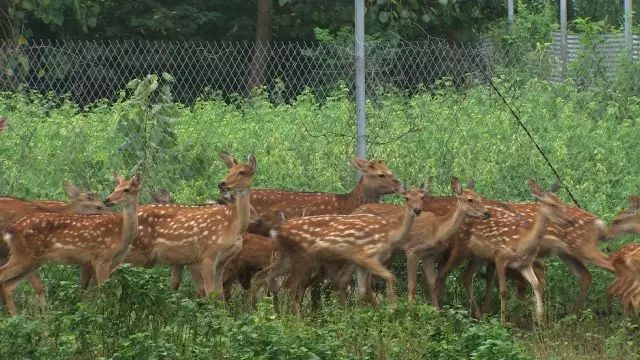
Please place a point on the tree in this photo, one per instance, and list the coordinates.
(264, 34)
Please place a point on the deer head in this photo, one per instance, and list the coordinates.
(469, 202)
(414, 200)
(84, 202)
(162, 196)
(240, 176)
(126, 191)
(627, 222)
(550, 204)
(376, 177)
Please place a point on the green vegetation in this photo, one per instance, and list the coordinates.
(590, 137)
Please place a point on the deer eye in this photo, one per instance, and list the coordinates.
(126, 190)
(471, 200)
(241, 172)
(382, 176)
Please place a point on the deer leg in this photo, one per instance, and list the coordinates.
(412, 274)
(501, 271)
(86, 273)
(176, 277)
(297, 273)
(375, 267)
(490, 276)
(611, 293)
(103, 270)
(345, 276)
(38, 287)
(583, 275)
(9, 287)
(428, 267)
(196, 278)
(267, 276)
(594, 256)
(206, 271)
(467, 279)
(530, 276)
(455, 258)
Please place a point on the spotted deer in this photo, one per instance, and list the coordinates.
(517, 247)
(360, 239)
(626, 261)
(204, 238)
(99, 240)
(377, 180)
(575, 242)
(429, 236)
(12, 209)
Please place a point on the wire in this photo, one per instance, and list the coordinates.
(517, 117)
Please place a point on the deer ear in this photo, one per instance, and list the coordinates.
(252, 163)
(137, 179)
(471, 185)
(228, 160)
(534, 188)
(360, 164)
(72, 190)
(455, 186)
(426, 186)
(119, 178)
(555, 186)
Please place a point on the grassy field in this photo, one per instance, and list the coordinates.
(305, 145)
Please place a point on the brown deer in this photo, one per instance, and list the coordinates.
(576, 243)
(204, 238)
(429, 236)
(99, 240)
(626, 286)
(12, 209)
(626, 261)
(517, 247)
(363, 240)
(377, 180)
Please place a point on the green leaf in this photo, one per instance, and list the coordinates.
(91, 22)
(27, 5)
(167, 76)
(384, 17)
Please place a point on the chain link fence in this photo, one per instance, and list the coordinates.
(433, 108)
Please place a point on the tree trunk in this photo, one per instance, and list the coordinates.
(264, 33)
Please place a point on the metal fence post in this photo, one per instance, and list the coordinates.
(563, 37)
(360, 80)
(510, 11)
(628, 22)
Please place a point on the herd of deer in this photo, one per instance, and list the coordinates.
(256, 236)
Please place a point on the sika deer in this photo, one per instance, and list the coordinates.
(377, 180)
(203, 237)
(99, 240)
(363, 240)
(575, 243)
(517, 248)
(626, 261)
(12, 209)
(430, 234)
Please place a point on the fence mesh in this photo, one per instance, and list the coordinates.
(75, 114)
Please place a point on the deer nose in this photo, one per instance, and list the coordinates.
(108, 202)
(486, 215)
(417, 211)
(222, 186)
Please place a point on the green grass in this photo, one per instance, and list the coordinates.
(591, 137)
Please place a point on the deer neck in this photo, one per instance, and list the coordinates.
(243, 211)
(450, 223)
(129, 222)
(531, 239)
(360, 195)
(401, 232)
